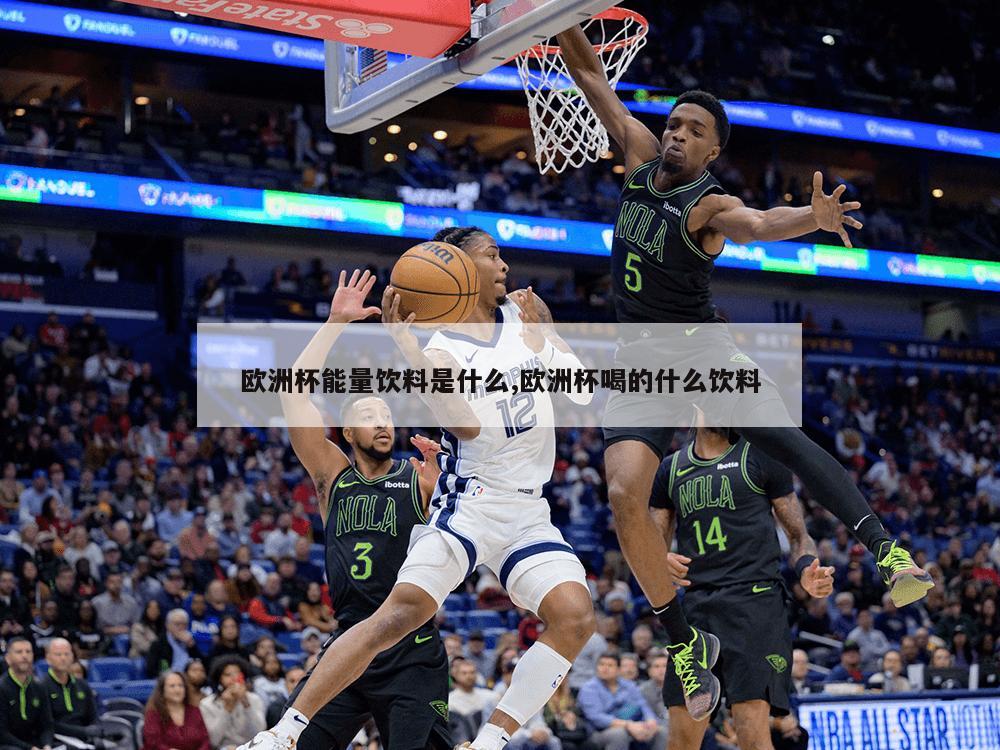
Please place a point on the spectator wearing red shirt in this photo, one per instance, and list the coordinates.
(52, 334)
(301, 523)
(172, 723)
(269, 610)
(262, 526)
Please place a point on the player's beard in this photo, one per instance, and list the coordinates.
(374, 453)
(671, 167)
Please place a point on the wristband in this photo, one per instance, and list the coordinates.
(801, 564)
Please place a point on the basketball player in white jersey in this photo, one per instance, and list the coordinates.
(488, 508)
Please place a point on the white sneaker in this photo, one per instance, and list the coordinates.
(268, 740)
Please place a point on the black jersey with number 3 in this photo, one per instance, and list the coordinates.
(660, 273)
(723, 512)
(367, 536)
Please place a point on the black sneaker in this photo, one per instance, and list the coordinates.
(693, 662)
(907, 583)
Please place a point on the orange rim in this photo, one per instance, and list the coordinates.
(611, 14)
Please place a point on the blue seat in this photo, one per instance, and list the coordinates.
(139, 690)
(112, 669)
(481, 619)
(492, 636)
(249, 633)
(265, 564)
(456, 620)
(7, 550)
(456, 603)
(41, 667)
(120, 644)
(139, 666)
(291, 660)
(291, 641)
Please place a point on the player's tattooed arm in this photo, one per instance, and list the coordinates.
(634, 138)
(718, 217)
(322, 458)
(817, 580)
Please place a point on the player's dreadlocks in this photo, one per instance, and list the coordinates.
(457, 236)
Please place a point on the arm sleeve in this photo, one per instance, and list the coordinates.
(659, 497)
(590, 704)
(260, 615)
(768, 475)
(152, 732)
(7, 737)
(45, 720)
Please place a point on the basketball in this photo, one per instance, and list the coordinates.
(437, 281)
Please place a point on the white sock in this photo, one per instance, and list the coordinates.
(291, 724)
(490, 737)
(536, 677)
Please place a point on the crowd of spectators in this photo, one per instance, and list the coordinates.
(130, 533)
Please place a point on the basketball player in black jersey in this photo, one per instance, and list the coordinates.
(369, 509)
(674, 220)
(723, 499)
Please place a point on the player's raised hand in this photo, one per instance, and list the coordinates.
(349, 300)
(428, 451)
(677, 566)
(531, 332)
(830, 213)
(817, 580)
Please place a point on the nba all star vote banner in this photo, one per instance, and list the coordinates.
(920, 723)
(54, 187)
(276, 49)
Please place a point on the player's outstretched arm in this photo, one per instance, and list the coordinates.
(717, 217)
(322, 458)
(635, 139)
(447, 408)
(539, 334)
(817, 580)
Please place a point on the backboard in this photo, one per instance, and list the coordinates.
(499, 30)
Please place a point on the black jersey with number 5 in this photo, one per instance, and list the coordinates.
(723, 512)
(368, 528)
(660, 273)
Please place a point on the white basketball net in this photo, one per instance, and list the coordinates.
(567, 131)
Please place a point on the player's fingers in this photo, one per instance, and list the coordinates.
(410, 318)
(853, 223)
(817, 182)
(682, 558)
(829, 570)
(343, 277)
(354, 277)
(843, 236)
(372, 311)
(850, 206)
(367, 285)
(839, 191)
(814, 564)
(683, 582)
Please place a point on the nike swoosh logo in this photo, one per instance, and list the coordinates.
(423, 639)
(690, 331)
(343, 485)
(633, 186)
(299, 720)
(858, 525)
(469, 359)
(757, 589)
(688, 470)
(704, 653)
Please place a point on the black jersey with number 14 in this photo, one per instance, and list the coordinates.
(723, 511)
(367, 536)
(660, 273)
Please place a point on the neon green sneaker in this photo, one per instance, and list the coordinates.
(907, 583)
(693, 662)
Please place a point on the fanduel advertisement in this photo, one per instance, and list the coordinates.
(916, 724)
(57, 187)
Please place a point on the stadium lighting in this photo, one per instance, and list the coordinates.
(787, 197)
(618, 169)
(394, 129)
(19, 112)
(522, 155)
(937, 193)
(412, 145)
(440, 135)
(828, 40)
(390, 157)
(609, 154)
(372, 141)
(142, 101)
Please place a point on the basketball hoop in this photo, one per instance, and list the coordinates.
(567, 131)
